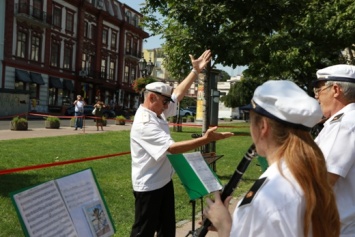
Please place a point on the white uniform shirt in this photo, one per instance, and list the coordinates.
(277, 208)
(79, 106)
(150, 140)
(337, 142)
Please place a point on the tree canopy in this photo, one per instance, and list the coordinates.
(280, 39)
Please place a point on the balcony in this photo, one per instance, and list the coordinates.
(33, 15)
(130, 52)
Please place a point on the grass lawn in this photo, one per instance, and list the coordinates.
(113, 174)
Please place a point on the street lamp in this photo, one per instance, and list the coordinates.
(145, 68)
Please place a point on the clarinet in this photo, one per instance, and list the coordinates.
(232, 184)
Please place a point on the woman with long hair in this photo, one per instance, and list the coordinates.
(293, 196)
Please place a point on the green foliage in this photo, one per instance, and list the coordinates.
(17, 120)
(241, 92)
(139, 84)
(120, 118)
(53, 119)
(275, 39)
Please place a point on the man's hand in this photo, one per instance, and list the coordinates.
(202, 61)
(211, 135)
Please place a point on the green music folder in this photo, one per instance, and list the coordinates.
(72, 205)
(194, 173)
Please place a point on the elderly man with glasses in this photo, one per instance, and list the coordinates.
(150, 143)
(335, 91)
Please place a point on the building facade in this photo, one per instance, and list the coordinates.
(56, 49)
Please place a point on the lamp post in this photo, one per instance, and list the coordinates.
(146, 68)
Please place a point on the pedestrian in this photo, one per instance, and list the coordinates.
(293, 196)
(335, 91)
(99, 107)
(79, 104)
(150, 143)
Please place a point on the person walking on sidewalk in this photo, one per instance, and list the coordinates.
(150, 143)
(99, 107)
(79, 112)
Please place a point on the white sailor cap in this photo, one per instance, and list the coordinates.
(340, 72)
(287, 103)
(161, 89)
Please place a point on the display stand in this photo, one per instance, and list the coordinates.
(193, 232)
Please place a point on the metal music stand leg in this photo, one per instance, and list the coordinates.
(192, 232)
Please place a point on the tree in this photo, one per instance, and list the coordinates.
(241, 92)
(276, 39)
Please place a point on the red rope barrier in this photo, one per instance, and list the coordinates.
(41, 166)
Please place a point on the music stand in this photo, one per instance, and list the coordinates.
(192, 232)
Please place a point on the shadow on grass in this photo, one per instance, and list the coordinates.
(241, 134)
(14, 182)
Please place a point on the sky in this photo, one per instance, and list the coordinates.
(156, 41)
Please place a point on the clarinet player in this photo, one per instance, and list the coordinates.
(293, 196)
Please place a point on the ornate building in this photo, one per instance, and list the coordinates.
(55, 49)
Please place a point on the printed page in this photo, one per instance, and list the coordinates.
(202, 170)
(43, 211)
(79, 190)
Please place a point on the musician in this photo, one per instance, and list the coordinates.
(335, 91)
(150, 143)
(293, 196)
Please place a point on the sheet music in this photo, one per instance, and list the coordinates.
(202, 170)
(44, 209)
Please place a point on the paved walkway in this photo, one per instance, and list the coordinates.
(183, 227)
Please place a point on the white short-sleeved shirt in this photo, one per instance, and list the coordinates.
(276, 209)
(79, 106)
(150, 140)
(337, 142)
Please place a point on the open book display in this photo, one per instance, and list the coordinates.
(68, 206)
(194, 173)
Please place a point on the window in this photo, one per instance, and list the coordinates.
(93, 31)
(55, 54)
(34, 91)
(68, 52)
(135, 20)
(104, 36)
(111, 75)
(35, 48)
(19, 85)
(57, 16)
(86, 29)
(23, 6)
(69, 22)
(126, 74)
(128, 45)
(21, 44)
(113, 40)
(37, 9)
(128, 16)
(134, 48)
(103, 68)
(133, 74)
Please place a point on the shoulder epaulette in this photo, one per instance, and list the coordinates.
(337, 118)
(253, 190)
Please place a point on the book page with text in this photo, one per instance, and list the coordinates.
(202, 170)
(44, 212)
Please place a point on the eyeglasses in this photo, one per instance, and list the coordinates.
(165, 101)
(319, 90)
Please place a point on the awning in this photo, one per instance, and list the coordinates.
(68, 84)
(23, 76)
(54, 82)
(37, 78)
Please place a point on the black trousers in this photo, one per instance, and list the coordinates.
(155, 212)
